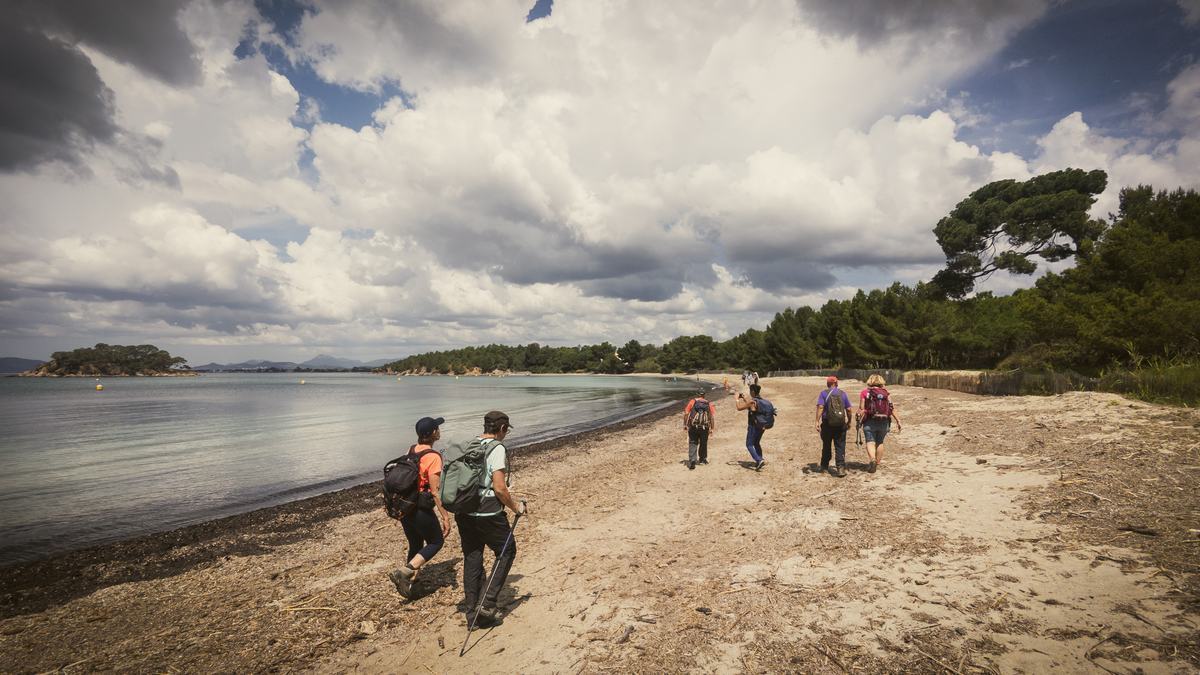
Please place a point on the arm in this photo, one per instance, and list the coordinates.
(686, 410)
(435, 486)
(502, 493)
(899, 427)
(744, 403)
(820, 413)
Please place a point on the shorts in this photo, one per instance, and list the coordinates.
(876, 430)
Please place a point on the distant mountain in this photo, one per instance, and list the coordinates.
(327, 361)
(254, 364)
(318, 362)
(12, 364)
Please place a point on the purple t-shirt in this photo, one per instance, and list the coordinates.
(824, 396)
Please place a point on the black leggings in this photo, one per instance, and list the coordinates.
(424, 534)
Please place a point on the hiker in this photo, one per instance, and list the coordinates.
(489, 526)
(833, 419)
(754, 378)
(427, 526)
(699, 421)
(875, 413)
(760, 416)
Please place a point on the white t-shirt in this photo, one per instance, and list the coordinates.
(497, 460)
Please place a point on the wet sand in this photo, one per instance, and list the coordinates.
(1020, 534)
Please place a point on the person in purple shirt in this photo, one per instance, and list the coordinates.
(833, 419)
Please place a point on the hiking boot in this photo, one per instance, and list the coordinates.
(486, 617)
(403, 583)
(704, 460)
(871, 467)
(824, 469)
(841, 471)
(691, 466)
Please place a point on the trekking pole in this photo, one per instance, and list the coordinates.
(491, 578)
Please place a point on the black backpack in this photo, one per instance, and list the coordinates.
(835, 409)
(701, 415)
(401, 479)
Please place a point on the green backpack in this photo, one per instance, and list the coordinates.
(464, 475)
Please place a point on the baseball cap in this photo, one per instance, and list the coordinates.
(497, 417)
(832, 379)
(428, 425)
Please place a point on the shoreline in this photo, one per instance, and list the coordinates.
(985, 539)
(33, 585)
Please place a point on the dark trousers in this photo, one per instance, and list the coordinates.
(754, 442)
(697, 438)
(477, 532)
(424, 534)
(836, 437)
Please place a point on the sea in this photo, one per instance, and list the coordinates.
(80, 467)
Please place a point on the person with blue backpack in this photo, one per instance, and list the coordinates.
(760, 416)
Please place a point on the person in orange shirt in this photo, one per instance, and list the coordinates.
(427, 527)
(699, 421)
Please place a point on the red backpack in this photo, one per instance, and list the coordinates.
(878, 403)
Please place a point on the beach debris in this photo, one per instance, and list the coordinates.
(704, 610)
(1138, 529)
(367, 628)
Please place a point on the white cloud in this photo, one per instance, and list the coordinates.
(613, 171)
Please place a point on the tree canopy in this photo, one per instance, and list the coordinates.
(113, 360)
(1004, 224)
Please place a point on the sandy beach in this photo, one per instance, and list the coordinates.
(1006, 535)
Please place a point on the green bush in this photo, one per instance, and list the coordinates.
(1158, 381)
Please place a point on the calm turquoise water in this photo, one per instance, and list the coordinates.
(81, 467)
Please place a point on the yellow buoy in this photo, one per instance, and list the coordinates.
(99, 387)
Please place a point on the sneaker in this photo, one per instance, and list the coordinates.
(841, 471)
(871, 467)
(759, 465)
(691, 466)
(824, 469)
(407, 572)
(704, 461)
(403, 583)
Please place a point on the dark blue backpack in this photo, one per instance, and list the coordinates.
(764, 414)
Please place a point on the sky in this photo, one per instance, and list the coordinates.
(229, 179)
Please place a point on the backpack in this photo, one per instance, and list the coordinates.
(701, 415)
(464, 475)
(835, 409)
(401, 481)
(878, 403)
(764, 414)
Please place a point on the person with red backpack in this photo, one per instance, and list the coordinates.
(699, 421)
(427, 525)
(875, 413)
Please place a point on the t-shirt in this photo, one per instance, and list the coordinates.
(497, 460)
(824, 396)
(430, 464)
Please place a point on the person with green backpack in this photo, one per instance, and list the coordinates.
(833, 419)
(475, 488)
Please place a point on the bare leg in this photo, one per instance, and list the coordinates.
(416, 563)
(870, 445)
(879, 454)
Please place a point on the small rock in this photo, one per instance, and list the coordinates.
(704, 610)
(367, 628)
(981, 461)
